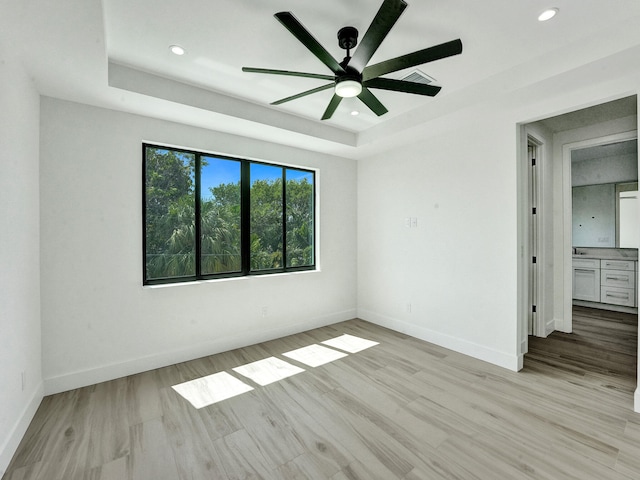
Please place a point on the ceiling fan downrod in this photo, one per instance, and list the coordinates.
(347, 40)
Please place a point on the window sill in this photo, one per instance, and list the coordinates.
(230, 279)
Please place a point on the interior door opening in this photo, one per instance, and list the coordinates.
(532, 150)
(549, 284)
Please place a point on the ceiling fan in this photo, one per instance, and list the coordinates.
(352, 77)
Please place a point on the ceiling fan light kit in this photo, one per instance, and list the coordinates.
(353, 77)
(348, 88)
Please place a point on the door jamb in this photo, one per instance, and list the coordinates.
(524, 254)
(539, 326)
(567, 247)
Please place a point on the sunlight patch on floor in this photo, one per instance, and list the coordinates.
(205, 391)
(211, 389)
(349, 343)
(267, 371)
(314, 355)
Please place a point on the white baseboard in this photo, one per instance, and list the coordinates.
(549, 327)
(636, 399)
(561, 326)
(511, 362)
(83, 378)
(20, 427)
(520, 365)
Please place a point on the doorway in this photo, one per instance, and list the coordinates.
(556, 137)
(603, 240)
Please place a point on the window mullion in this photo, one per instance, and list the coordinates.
(284, 218)
(245, 216)
(198, 216)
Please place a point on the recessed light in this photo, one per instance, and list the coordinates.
(547, 14)
(177, 50)
(355, 112)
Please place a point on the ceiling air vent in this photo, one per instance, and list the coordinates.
(419, 77)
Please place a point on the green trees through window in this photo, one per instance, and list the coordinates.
(207, 216)
(169, 213)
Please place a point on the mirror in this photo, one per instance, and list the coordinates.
(606, 215)
(628, 230)
(605, 190)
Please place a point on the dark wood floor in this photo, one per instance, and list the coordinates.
(403, 409)
(602, 343)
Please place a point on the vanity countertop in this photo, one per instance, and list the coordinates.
(606, 253)
(605, 257)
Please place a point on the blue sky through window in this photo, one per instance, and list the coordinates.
(299, 175)
(260, 171)
(218, 171)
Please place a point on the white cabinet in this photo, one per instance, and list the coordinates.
(611, 282)
(586, 279)
(618, 282)
(617, 264)
(617, 278)
(618, 296)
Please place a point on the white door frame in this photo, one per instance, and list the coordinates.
(567, 246)
(527, 137)
(539, 323)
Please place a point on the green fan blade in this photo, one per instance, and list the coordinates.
(303, 94)
(298, 30)
(287, 72)
(333, 104)
(382, 23)
(370, 100)
(402, 86)
(409, 60)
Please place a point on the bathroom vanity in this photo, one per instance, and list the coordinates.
(606, 278)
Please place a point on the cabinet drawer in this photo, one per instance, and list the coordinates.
(618, 264)
(617, 278)
(618, 296)
(586, 262)
(586, 284)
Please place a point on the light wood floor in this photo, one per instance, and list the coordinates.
(404, 409)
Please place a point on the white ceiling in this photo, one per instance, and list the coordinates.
(622, 107)
(114, 54)
(618, 149)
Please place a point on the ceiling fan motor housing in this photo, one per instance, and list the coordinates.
(348, 38)
(350, 73)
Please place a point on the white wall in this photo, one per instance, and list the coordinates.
(458, 267)
(20, 347)
(98, 320)
(462, 267)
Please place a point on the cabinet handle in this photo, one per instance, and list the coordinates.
(586, 270)
(625, 279)
(625, 297)
(611, 264)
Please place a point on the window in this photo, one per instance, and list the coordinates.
(207, 216)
